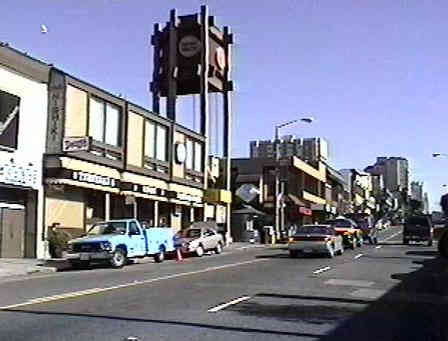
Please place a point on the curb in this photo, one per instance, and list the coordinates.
(41, 269)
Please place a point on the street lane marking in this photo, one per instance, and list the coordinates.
(322, 270)
(350, 283)
(358, 256)
(228, 304)
(126, 285)
(392, 236)
(378, 247)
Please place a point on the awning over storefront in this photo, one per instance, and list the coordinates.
(248, 210)
(248, 178)
(294, 199)
(53, 181)
(144, 196)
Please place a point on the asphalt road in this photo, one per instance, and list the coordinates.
(386, 292)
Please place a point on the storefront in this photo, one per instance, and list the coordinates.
(79, 193)
(18, 210)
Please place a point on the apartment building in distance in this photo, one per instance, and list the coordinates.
(308, 149)
(395, 172)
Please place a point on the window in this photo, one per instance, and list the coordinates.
(112, 135)
(189, 160)
(210, 233)
(133, 229)
(198, 157)
(149, 139)
(156, 139)
(96, 119)
(9, 119)
(161, 143)
(104, 122)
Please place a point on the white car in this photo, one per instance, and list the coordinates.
(199, 239)
(315, 239)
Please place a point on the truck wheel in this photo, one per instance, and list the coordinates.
(218, 248)
(199, 251)
(159, 257)
(119, 259)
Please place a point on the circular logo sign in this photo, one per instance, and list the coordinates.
(189, 46)
(220, 58)
(181, 153)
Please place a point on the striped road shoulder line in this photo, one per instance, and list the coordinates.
(322, 270)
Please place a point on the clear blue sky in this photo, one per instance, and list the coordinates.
(374, 73)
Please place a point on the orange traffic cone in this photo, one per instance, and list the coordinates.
(179, 257)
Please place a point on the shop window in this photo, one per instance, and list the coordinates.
(104, 122)
(95, 206)
(9, 119)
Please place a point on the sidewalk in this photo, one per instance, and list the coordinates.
(22, 266)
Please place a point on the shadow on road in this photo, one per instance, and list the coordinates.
(415, 309)
(423, 253)
(390, 244)
(167, 322)
(277, 255)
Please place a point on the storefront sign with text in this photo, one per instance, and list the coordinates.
(94, 179)
(18, 175)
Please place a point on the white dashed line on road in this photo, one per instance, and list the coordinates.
(358, 256)
(392, 236)
(378, 247)
(322, 270)
(228, 304)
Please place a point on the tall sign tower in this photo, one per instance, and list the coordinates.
(193, 56)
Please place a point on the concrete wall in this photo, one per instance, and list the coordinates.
(135, 140)
(32, 132)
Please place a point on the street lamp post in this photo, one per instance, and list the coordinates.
(277, 170)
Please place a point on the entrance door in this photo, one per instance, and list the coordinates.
(12, 233)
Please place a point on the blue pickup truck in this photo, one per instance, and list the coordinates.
(117, 241)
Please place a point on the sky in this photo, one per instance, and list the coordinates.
(374, 74)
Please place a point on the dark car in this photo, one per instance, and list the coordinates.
(418, 229)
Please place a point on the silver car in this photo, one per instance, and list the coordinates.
(199, 239)
(315, 239)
